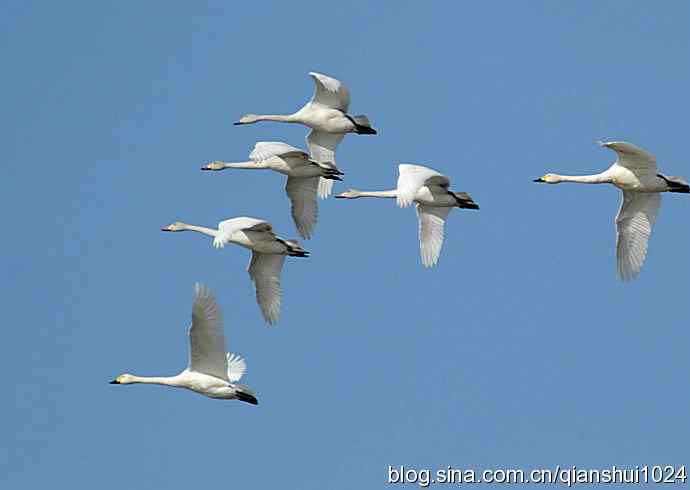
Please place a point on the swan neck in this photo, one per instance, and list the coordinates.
(202, 229)
(601, 178)
(277, 118)
(242, 165)
(383, 194)
(156, 380)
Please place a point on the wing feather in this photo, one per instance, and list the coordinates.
(634, 223)
(330, 92)
(412, 177)
(206, 337)
(322, 147)
(302, 194)
(264, 150)
(264, 270)
(431, 231)
(632, 157)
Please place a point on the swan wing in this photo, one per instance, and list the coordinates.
(230, 226)
(206, 337)
(264, 270)
(634, 224)
(330, 92)
(431, 223)
(632, 157)
(322, 147)
(236, 367)
(302, 194)
(264, 150)
(412, 177)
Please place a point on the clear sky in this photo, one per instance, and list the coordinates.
(519, 350)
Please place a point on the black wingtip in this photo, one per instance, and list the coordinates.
(366, 130)
(247, 398)
(237, 123)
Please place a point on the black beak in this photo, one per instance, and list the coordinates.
(538, 180)
(237, 123)
(164, 229)
(114, 382)
(205, 168)
(339, 197)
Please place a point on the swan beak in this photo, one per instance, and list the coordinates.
(540, 179)
(114, 382)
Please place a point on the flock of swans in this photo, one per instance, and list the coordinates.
(214, 373)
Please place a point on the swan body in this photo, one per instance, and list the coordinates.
(635, 173)
(268, 256)
(326, 111)
(430, 191)
(326, 114)
(303, 174)
(211, 371)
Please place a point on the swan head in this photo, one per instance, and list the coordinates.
(216, 165)
(548, 179)
(248, 119)
(176, 226)
(123, 379)
(349, 194)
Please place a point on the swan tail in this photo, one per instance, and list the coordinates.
(362, 124)
(294, 249)
(464, 200)
(244, 394)
(675, 184)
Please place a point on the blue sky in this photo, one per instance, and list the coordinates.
(520, 350)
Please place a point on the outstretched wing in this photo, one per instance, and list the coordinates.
(264, 270)
(302, 194)
(322, 147)
(634, 223)
(228, 227)
(236, 367)
(632, 157)
(264, 150)
(330, 92)
(206, 338)
(412, 177)
(431, 224)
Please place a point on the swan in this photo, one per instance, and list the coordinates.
(430, 191)
(268, 255)
(303, 176)
(635, 173)
(326, 115)
(211, 371)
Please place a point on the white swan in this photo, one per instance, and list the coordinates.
(211, 371)
(635, 173)
(268, 256)
(326, 114)
(302, 172)
(430, 190)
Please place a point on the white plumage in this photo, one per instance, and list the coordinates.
(635, 173)
(268, 256)
(304, 176)
(211, 371)
(430, 190)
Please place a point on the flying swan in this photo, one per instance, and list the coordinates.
(635, 173)
(302, 172)
(326, 115)
(430, 190)
(211, 371)
(268, 256)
